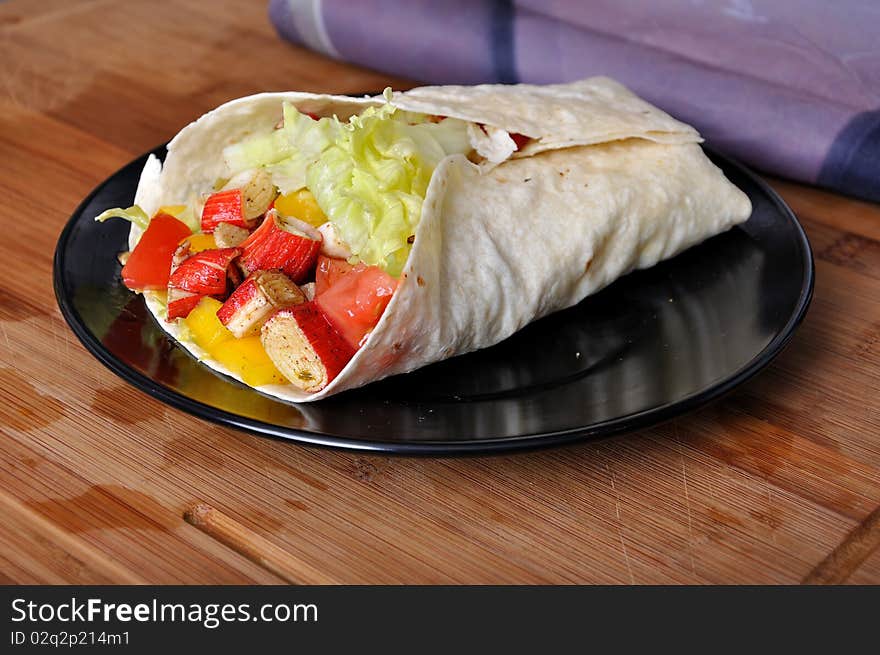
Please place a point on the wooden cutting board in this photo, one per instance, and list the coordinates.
(777, 482)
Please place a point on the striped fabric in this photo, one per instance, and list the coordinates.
(790, 86)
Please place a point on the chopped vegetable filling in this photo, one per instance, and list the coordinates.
(295, 254)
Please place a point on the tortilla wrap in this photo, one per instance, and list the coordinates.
(609, 184)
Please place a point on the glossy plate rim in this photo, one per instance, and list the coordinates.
(610, 427)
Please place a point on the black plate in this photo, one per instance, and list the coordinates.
(653, 345)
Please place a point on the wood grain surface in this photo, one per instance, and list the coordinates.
(779, 482)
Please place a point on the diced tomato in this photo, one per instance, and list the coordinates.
(330, 270)
(224, 207)
(354, 303)
(149, 265)
(205, 272)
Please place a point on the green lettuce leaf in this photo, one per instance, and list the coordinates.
(371, 181)
(133, 214)
(285, 153)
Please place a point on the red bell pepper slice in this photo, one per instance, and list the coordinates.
(149, 265)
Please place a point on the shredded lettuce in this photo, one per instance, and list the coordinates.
(136, 215)
(369, 175)
(133, 214)
(371, 181)
(285, 153)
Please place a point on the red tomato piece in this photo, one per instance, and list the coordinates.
(149, 264)
(330, 270)
(355, 302)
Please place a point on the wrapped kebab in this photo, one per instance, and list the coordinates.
(307, 244)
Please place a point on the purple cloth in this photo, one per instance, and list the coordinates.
(790, 86)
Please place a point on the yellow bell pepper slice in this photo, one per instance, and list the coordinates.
(204, 326)
(175, 210)
(244, 357)
(247, 358)
(200, 241)
(302, 205)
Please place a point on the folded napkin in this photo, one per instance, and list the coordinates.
(791, 87)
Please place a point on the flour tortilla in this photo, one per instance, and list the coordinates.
(595, 110)
(610, 184)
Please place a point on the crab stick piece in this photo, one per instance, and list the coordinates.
(224, 207)
(305, 347)
(261, 294)
(227, 235)
(204, 273)
(240, 202)
(332, 244)
(282, 243)
(181, 303)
